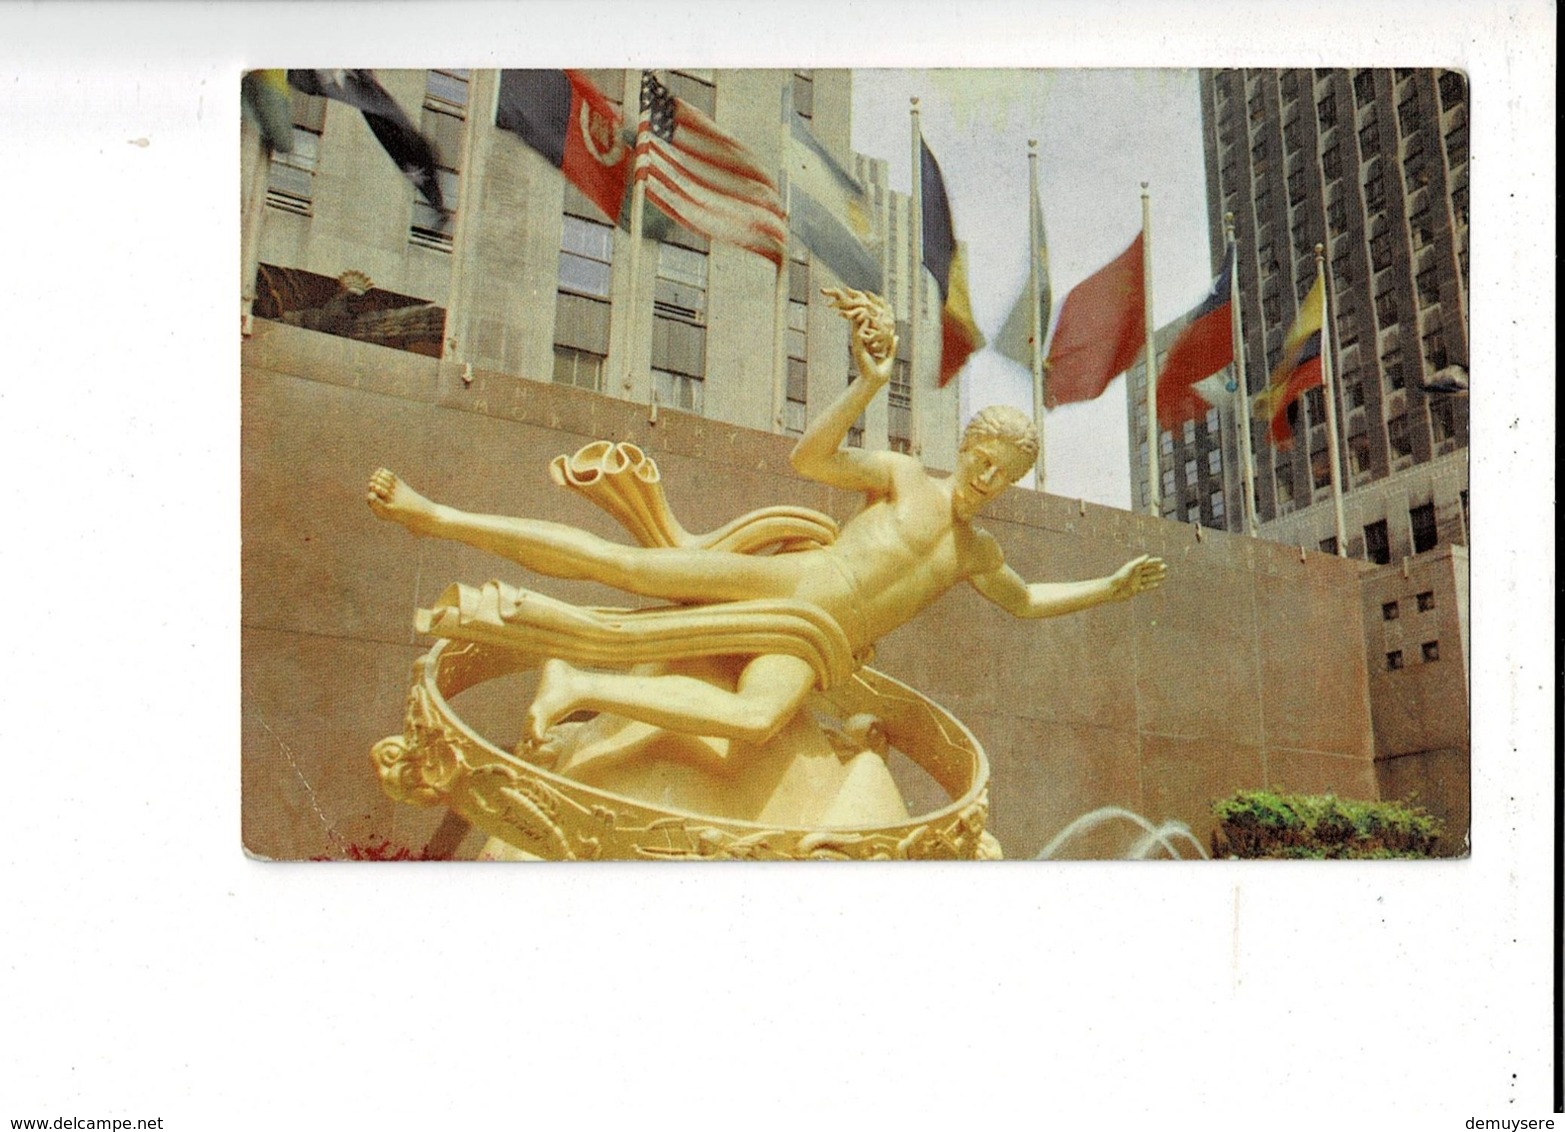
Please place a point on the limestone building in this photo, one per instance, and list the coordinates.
(527, 277)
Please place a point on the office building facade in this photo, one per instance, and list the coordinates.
(525, 276)
(1371, 164)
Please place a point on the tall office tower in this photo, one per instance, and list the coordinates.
(522, 275)
(1372, 164)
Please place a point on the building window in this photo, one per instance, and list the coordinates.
(1453, 88)
(1358, 453)
(1331, 161)
(1431, 651)
(680, 288)
(1364, 87)
(1354, 390)
(1375, 190)
(1391, 366)
(1434, 350)
(1337, 216)
(1377, 543)
(290, 181)
(678, 328)
(586, 257)
(1315, 402)
(1168, 483)
(1456, 145)
(1390, 611)
(1408, 114)
(1425, 533)
(445, 116)
(1320, 468)
(1442, 418)
(1271, 309)
(1296, 186)
(1386, 307)
(1380, 251)
(1214, 463)
(1328, 545)
(1428, 287)
(795, 411)
(1326, 109)
(1284, 476)
(899, 406)
(1369, 138)
(1426, 601)
(580, 368)
(1393, 660)
(1166, 442)
(1219, 505)
(1213, 422)
(682, 391)
(1399, 437)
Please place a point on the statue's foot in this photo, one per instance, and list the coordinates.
(558, 695)
(390, 498)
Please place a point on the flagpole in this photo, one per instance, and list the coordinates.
(250, 232)
(1034, 238)
(455, 347)
(916, 276)
(1331, 400)
(784, 269)
(1154, 486)
(638, 207)
(1242, 405)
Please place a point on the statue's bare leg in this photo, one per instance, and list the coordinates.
(770, 691)
(390, 498)
(562, 551)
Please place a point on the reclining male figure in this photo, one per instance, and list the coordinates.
(913, 540)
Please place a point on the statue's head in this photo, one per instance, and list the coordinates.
(998, 447)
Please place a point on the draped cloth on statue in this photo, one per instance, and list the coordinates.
(625, 482)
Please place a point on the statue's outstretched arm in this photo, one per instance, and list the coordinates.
(1006, 589)
(819, 453)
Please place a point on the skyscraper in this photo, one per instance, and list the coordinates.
(1371, 164)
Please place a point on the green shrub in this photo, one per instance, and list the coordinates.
(1265, 823)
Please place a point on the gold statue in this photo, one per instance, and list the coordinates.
(790, 622)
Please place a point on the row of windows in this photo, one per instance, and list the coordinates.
(1430, 649)
(291, 176)
(1391, 610)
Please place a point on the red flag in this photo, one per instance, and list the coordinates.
(573, 125)
(1203, 347)
(960, 337)
(1100, 331)
(1275, 400)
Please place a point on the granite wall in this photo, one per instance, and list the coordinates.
(1247, 668)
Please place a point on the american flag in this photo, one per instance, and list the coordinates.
(703, 178)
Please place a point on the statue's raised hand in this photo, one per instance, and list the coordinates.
(1136, 576)
(874, 339)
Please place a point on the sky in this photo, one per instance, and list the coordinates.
(1100, 134)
